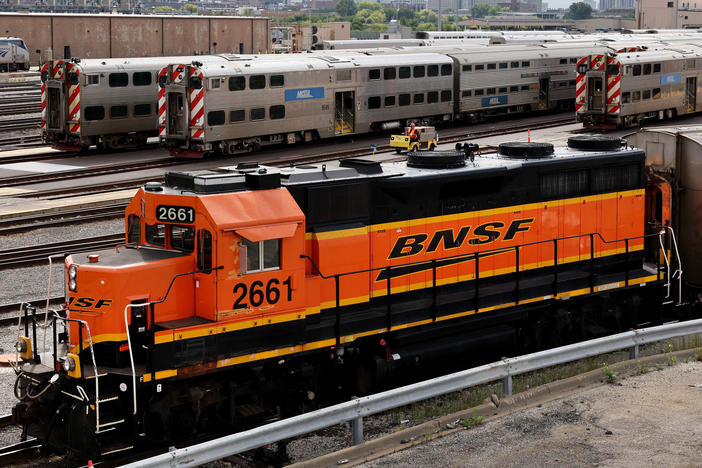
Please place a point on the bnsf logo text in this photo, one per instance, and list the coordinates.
(483, 234)
(88, 302)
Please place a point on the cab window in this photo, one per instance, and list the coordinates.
(182, 238)
(133, 225)
(262, 255)
(204, 250)
(155, 234)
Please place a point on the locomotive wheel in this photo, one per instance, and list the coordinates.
(398, 150)
(432, 147)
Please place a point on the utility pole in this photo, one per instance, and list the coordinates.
(439, 21)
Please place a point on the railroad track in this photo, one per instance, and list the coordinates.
(14, 109)
(21, 454)
(26, 256)
(20, 124)
(75, 216)
(19, 141)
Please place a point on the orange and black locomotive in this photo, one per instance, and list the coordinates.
(251, 289)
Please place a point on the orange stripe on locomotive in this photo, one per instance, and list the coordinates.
(293, 290)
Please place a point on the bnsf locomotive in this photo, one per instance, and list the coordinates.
(250, 291)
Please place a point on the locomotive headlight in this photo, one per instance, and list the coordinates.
(69, 364)
(73, 277)
(21, 346)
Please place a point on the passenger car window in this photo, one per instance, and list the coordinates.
(237, 83)
(637, 70)
(374, 102)
(118, 80)
(374, 74)
(419, 98)
(277, 81)
(404, 73)
(432, 70)
(626, 97)
(257, 113)
(446, 69)
(445, 95)
(276, 112)
(419, 71)
(403, 99)
(215, 118)
(389, 73)
(389, 101)
(257, 82)
(141, 78)
(432, 97)
(94, 113)
(142, 109)
(118, 111)
(237, 115)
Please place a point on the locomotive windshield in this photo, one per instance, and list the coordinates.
(169, 236)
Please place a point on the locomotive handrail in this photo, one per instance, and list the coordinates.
(519, 246)
(677, 274)
(92, 356)
(151, 304)
(476, 256)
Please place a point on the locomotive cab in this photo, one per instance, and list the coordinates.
(188, 261)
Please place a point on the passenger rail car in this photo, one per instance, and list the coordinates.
(111, 103)
(239, 107)
(627, 89)
(249, 288)
(14, 54)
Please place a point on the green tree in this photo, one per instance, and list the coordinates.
(390, 13)
(426, 27)
(369, 6)
(481, 10)
(346, 7)
(164, 9)
(577, 11)
(405, 14)
(190, 8)
(426, 16)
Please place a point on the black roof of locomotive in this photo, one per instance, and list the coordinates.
(251, 176)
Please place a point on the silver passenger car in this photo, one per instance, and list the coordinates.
(240, 107)
(630, 88)
(111, 103)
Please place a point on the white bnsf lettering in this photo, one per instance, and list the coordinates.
(304, 94)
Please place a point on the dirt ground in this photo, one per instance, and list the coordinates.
(651, 419)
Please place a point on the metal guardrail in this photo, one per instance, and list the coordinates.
(356, 409)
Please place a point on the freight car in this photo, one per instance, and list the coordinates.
(239, 107)
(14, 54)
(250, 291)
(627, 89)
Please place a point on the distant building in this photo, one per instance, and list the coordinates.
(665, 14)
(616, 4)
